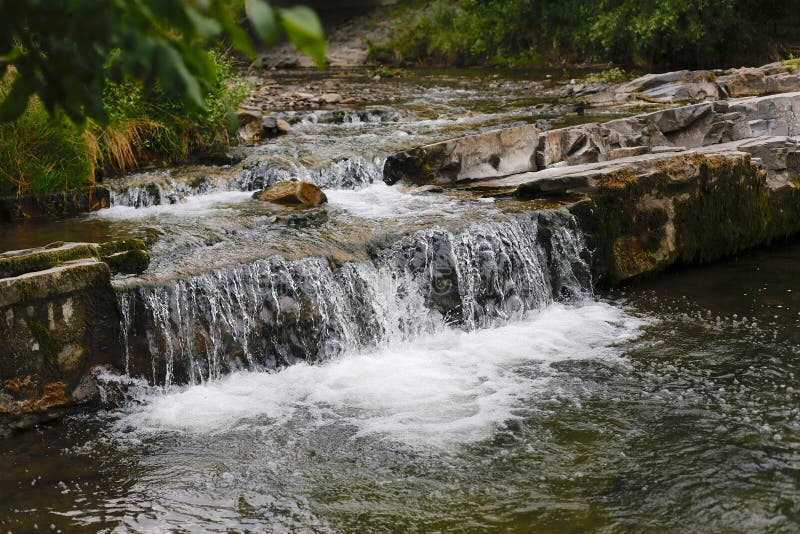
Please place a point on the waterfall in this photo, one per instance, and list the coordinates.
(275, 312)
(345, 173)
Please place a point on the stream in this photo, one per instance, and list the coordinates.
(406, 361)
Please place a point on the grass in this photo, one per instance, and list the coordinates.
(42, 155)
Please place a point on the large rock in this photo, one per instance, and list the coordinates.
(514, 150)
(687, 86)
(300, 194)
(645, 213)
(56, 326)
(496, 153)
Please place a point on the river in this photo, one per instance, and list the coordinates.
(414, 362)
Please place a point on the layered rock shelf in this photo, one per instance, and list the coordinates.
(59, 325)
(693, 183)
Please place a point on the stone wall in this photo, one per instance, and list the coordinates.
(59, 326)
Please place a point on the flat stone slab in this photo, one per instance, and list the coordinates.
(495, 153)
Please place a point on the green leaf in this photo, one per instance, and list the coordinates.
(263, 20)
(191, 88)
(305, 32)
(205, 26)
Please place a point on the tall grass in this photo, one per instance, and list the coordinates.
(40, 154)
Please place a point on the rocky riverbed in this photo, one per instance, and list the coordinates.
(472, 225)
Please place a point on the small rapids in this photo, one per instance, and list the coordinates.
(275, 312)
(443, 388)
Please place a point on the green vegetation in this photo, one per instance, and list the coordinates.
(40, 154)
(89, 87)
(652, 34)
(68, 51)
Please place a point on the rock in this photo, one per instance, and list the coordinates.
(647, 212)
(491, 154)
(283, 127)
(302, 194)
(55, 325)
(249, 125)
(329, 98)
(128, 262)
(427, 189)
(18, 262)
(273, 127)
(71, 202)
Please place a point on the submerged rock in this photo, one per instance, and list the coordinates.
(301, 194)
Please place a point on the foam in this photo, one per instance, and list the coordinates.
(445, 388)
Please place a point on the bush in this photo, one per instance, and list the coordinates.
(657, 34)
(40, 154)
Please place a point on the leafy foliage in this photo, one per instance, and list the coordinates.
(66, 51)
(643, 33)
(42, 154)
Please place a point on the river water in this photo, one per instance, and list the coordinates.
(419, 362)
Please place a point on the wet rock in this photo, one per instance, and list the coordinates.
(273, 127)
(129, 262)
(299, 194)
(18, 262)
(55, 325)
(249, 125)
(329, 98)
(495, 153)
(71, 202)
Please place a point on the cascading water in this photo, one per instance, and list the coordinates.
(274, 312)
(162, 189)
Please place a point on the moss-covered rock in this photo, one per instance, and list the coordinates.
(56, 325)
(126, 256)
(133, 261)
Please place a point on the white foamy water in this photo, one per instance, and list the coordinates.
(446, 388)
(380, 201)
(191, 206)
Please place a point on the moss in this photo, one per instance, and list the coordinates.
(129, 262)
(630, 258)
(44, 259)
(49, 346)
(730, 212)
(122, 245)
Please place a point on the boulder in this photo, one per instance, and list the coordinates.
(490, 154)
(299, 194)
(56, 325)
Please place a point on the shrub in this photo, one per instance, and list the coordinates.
(42, 154)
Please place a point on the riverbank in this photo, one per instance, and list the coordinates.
(50, 166)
